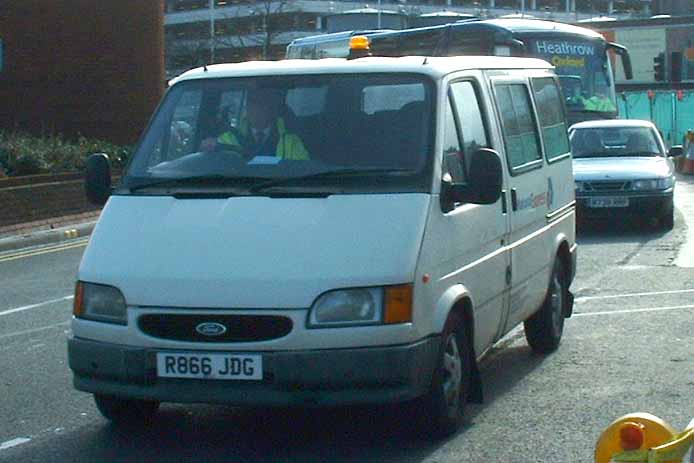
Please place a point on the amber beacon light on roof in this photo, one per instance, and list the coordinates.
(359, 47)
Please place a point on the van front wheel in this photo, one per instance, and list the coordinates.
(126, 412)
(444, 406)
(544, 329)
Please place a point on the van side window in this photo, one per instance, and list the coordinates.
(550, 112)
(470, 118)
(179, 139)
(452, 152)
(520, 131)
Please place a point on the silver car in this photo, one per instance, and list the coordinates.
(621, 168)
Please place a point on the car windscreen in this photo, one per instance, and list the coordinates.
(615, 141)
(250, 130)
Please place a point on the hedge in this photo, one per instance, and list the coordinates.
(23, 154)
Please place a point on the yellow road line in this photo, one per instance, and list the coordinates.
(46, 250)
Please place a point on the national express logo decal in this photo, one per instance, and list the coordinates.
(565, 54)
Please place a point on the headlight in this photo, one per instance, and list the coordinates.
(665, 183)
(100, 303)
(362, 306)
(644, 185)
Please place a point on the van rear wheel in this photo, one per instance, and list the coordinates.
(544, 329)
(442, 409)
(126, 412)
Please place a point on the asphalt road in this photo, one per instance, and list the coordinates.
(627, 348)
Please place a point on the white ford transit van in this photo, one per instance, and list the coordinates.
(328, 232)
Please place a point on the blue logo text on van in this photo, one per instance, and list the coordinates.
(532, 201)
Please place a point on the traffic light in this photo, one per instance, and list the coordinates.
(676, 66)
(659, 67)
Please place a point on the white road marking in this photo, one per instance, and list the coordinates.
(34, 306)
(616, 296)
(33, 330)
(648, 309)
(14, 443)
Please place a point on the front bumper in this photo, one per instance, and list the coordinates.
(291, 378)
(646, 205)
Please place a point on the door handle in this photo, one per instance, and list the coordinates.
(504, 206)
(514, 199)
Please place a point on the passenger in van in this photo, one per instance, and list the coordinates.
(262, 132)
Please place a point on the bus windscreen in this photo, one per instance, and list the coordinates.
(583, 69)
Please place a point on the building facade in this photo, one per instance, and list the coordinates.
(672, 38)
(80, 67)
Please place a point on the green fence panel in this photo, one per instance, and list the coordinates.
(672, 116)
(684, 116)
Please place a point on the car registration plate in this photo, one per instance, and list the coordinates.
(210, 366)
(610, 201)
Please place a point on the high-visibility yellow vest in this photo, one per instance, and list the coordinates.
(289, 146)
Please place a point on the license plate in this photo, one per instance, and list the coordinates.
(210, 366)
(616, 201)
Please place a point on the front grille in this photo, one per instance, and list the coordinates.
(609, 186)
(239, 328)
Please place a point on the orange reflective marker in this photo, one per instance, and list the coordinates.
(398, 304)
(631, 435)
(78, 303)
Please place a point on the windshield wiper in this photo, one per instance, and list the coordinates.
(337, 173)
(213, 179)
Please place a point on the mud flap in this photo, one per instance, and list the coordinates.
(570, 305)
(475, 396)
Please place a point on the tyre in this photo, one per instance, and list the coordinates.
(544, 329)
(667, 222)
(126, 412)
(443, 407)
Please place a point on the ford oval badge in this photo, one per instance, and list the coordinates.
(211, 329)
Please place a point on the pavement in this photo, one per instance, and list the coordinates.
(45, 237)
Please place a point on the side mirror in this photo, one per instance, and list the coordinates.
(623, 52)
(484, 181)
(98, 179)
(675, 151)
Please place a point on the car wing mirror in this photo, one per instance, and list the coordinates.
(675, 151)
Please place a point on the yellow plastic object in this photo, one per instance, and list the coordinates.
(359, 42)
(674, 450)
(656, 432)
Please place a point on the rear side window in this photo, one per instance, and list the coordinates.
(377, 98)
(550, 113)
(520, 131)
(307, 101)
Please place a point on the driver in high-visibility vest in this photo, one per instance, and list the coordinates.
(262, 132)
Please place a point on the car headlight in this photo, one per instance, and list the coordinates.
(362, 306)
(665, 183)
(644, 185)
(100, 303)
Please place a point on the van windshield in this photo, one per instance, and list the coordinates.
(290, 131)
